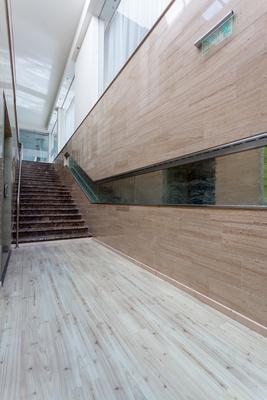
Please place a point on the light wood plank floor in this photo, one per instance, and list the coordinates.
(80, 322)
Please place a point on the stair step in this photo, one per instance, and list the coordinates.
(48, 217)
(32, 177)
(38, 171)
(27, 171)
(52, 230)
(41, 174)
(44, 194)
(47, 177)
(28, 225)
(41, 198)
(42, 187)
(39, 192)
(39, 182)
(26, 162)
(33, 239)
(57, 201)
(49, 210)
(47, 205)
(51, 196)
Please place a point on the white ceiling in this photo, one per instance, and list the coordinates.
(43, 33)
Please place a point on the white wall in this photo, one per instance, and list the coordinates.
(89, 70)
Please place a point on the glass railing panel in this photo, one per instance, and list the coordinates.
(149, 188)
(83, 180)
(238, 179)
(193, 183)
(119, 191)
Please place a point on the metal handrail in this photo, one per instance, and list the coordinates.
(18, 193)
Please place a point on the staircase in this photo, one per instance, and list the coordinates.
(47, 211)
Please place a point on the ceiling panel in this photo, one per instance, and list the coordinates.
(43, 33)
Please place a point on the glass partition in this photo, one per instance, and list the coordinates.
(35, 145)
(238, 179)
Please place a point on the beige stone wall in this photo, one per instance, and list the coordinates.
(170, 100)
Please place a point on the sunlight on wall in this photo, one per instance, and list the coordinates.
(176, 10)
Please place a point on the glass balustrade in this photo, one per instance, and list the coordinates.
(238, 179)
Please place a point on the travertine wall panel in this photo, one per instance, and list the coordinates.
(170, 100)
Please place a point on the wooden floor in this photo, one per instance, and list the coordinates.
(80, 322)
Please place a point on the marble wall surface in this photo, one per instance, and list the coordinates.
(170, 101)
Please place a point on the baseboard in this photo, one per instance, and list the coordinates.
(2, 279)
(249, 323)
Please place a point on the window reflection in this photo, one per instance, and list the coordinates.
(127, 28)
